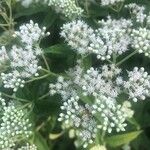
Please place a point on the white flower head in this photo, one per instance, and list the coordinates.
(138, 84)
(30, 33)
(110, 2)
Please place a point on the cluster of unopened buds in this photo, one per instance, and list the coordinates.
(13, 124)
(28, 147)
(66, 7)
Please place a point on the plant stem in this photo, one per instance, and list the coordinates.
(54, 74)
(16, 98)
(109, 61)
(126, 58)
(50, 73)
(38, 78)
(87, 7)
(44, 96)
(45, 61)
(5, 25)
(25, 105)
(114, 58)
(102, 137)
(10, 16)
(43, 124)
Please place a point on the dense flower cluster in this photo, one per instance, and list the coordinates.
(66, 7)
(115, 34)
(99, 90)
(23, 60)
(80, 37)
(141, 40)
(110, 2)
(138, 11)
(13, 125)
(79, 118)
(28, 147)
(30, 34)
(112, 37)
(138, 84)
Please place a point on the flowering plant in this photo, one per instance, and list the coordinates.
(74, 74)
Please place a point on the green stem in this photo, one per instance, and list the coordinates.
(109, 61)
(54, 74)
(43, 124)
(44, 96)
(10, 16)
(25, 105)
(5, 25)
(50, 73)
(102, 137)
(45, 61)
(77, 3)
(38, 78)
(126, 58)
(87, 7)
(114, 58)
(121, 6)
(13, 97)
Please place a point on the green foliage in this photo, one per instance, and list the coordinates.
(118, 140)
(60, 57)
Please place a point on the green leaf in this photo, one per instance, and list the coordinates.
(40, 142)
(119, 140)
(49, 19)
(59, 49)
(33, 9)
(134, 122)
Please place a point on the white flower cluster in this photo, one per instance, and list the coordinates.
(79, 118)
(12, 80)
(30, 34)
(113, 115)
(99, 91)
(112, 37)
(138, 11)
(95, 83)
(141, 40)
(66, 7)
(78, 35)
(28, 147)
(110, 2)
(23, 60)
(138, 84)
(13, 125)
(115, 34)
